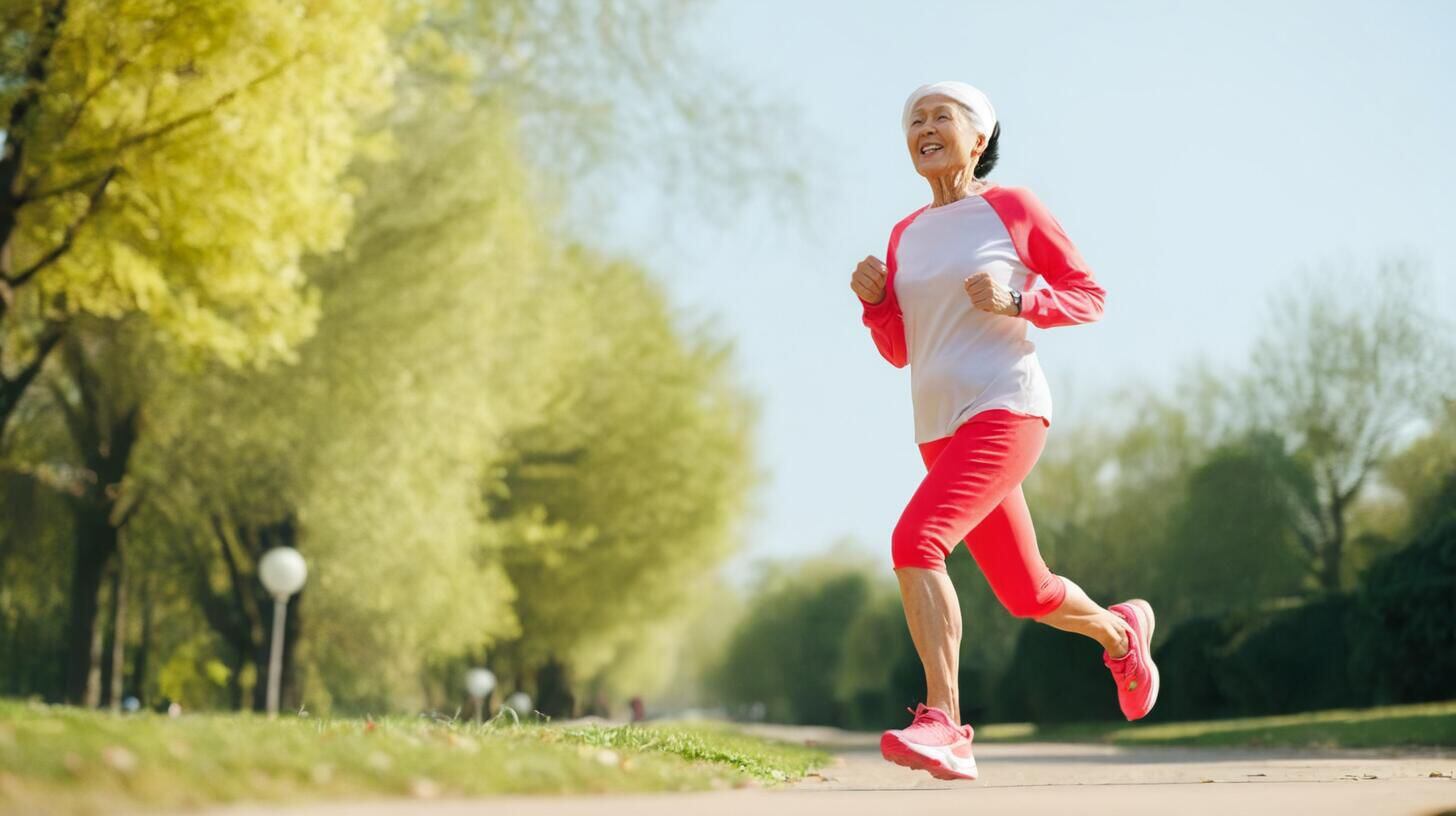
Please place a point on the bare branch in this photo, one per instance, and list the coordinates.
(124, 509)
(12, 388)
(187, 118)
(72, 186)
(70, 236)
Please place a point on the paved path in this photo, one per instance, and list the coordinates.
(1025, 780)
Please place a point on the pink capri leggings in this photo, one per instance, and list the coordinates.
(972, 492)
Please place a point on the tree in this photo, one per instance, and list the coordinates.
(179, 170)
(367, 453)
(787, 653)
(96, 391)
(1341, 381)
(176, 160)
(615, 96)
(1422, 469)
(620, 495)
(1233, 542)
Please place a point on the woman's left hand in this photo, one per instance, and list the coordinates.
(990, 296)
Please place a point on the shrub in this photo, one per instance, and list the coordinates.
(1404, 620)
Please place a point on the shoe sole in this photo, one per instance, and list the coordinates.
(937, 761)
(1144, 611)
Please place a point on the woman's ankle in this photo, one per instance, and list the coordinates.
(1115, 638)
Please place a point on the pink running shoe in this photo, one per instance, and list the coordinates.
(1135, 672)
(932, 743)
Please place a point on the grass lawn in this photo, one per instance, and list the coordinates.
(64, 760)
(1424, 724)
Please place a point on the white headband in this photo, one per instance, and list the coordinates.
(983, 116)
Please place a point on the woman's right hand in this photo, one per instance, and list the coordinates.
(869, 280)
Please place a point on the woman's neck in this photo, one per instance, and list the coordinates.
(955, 186)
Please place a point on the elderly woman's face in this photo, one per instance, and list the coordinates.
(940, 138)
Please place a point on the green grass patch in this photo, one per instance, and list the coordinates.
(1423, 724)
(64, 760)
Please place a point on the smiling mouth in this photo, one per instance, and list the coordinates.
(927, 149)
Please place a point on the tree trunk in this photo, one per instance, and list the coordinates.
(118, 637)
(144, 649)
(95, 544)
(237, 662)
(1333, 553)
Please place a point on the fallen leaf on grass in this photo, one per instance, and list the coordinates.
(465, 744)
(119, 759)
(423, 788)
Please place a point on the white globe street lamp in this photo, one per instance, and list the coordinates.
(282, 572)
(520, 702)
(479, 683)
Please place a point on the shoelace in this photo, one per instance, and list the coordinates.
(1128, 668)
(921, 714)
(924, 715)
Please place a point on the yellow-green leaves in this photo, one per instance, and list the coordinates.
(226, 127)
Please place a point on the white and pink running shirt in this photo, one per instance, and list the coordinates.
(962, 360)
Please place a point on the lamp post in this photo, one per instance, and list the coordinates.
(282, 572)
(479, 683)
(520, 702)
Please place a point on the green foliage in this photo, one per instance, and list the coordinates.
(1232, 540)
(1405, 630)
(1188, 662)
(631, 476)
(1055, 677)
(205, 188)
(879, 674)
(1291, 660)
(192, 677)
(1340, 380)
(1424, 474)
(787, 652)
(179, 160)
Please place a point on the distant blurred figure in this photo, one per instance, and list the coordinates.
(639, 711)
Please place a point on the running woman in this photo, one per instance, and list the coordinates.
(952, 300)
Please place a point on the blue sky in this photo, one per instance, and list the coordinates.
(1203, 158)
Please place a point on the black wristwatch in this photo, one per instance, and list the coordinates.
(1016, 298)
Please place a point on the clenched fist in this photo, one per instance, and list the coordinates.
(869, 280)
(989, 296)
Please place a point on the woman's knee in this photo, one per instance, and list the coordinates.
(911, 545)
(1031, 599)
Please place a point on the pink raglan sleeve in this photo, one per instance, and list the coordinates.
(1074, 296)
(884, 319)
(886, 324)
